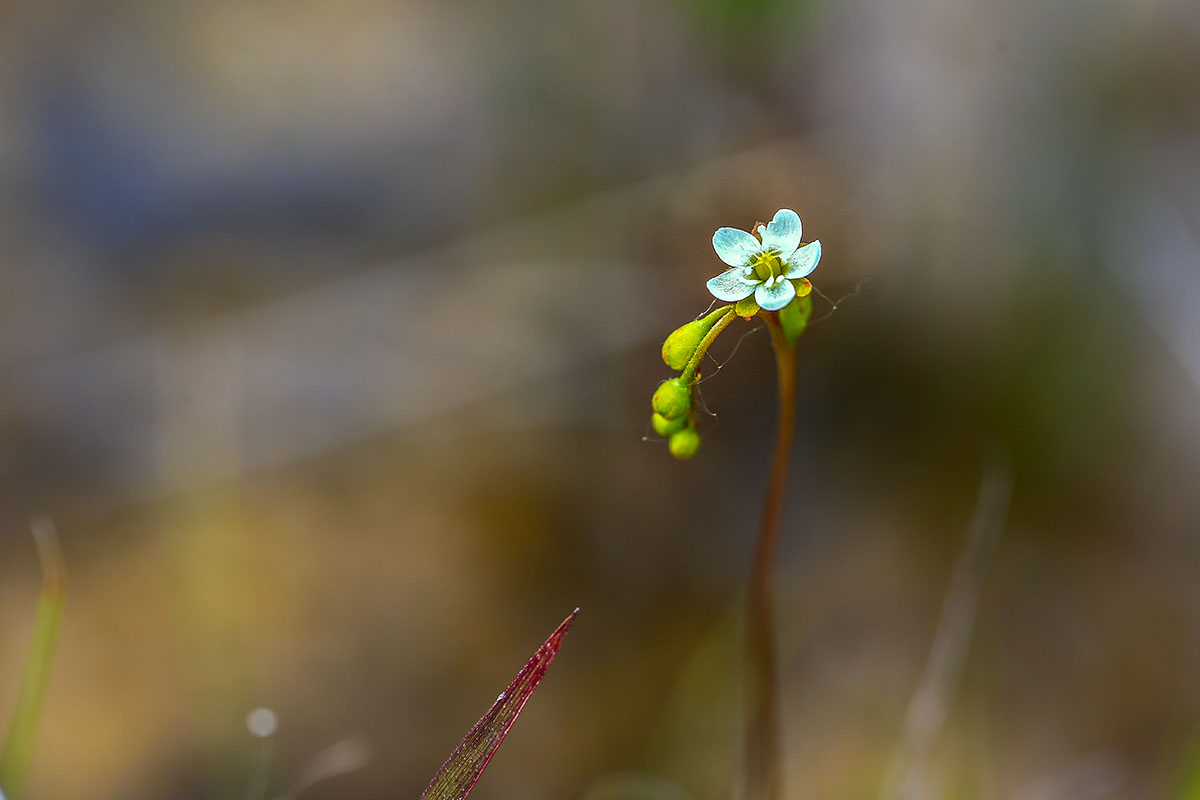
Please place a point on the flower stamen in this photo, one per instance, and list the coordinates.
(766, 265)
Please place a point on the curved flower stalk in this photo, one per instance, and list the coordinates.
(768, 278)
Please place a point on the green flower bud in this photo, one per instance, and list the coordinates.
(677, 350)
(794, 316)
(665, 427)
(673, 399)
(684, 444)
(681, 345)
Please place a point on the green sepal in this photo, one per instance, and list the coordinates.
(672, 399)
(665, 427)
(746, 307)
(794, 317)
(681, 345)
(684, 444)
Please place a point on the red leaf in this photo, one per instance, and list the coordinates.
(458, 776)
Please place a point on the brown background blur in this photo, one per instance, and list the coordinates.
(328, 331)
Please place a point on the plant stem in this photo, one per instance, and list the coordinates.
(17, 755)
(764, 778)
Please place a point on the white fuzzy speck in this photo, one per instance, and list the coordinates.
(262, 722)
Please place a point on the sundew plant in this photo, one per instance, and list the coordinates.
(767, 277)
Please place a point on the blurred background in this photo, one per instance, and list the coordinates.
(328, 332)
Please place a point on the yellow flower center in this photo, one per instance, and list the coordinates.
(766, 265)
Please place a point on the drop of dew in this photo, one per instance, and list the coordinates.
(501, 696)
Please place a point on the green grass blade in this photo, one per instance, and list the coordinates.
(1188, 783)
(460, 773)
(22, 732)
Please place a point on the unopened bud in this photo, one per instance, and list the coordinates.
(681, 345)
(673, 399)
(684, 444)
(665, 427)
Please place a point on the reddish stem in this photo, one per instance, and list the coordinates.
(764, 776)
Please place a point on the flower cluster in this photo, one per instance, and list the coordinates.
(768, 273)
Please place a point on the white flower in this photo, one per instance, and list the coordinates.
(764, 266)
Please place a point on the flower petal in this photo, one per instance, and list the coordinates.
(804, 261)
(732, 285)
(782, 234)
(775, 296)
(736, 247)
